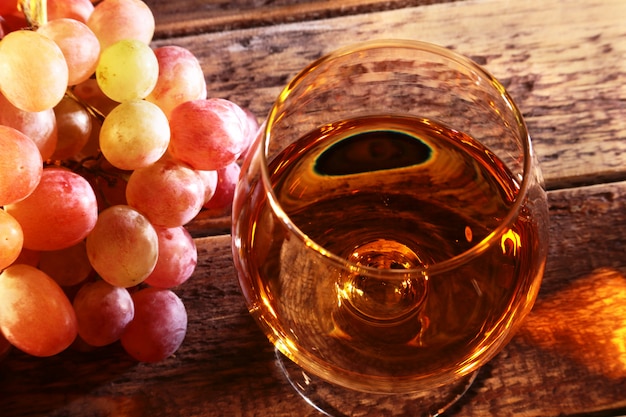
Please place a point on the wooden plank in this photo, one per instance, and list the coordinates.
(185, 17)
(570, 356)
(563, 62)
(569, 359)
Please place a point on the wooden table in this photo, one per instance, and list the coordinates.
(564, 62)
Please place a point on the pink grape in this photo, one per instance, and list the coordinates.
(209, 178)
(177, 260)
(123, 246)
(33, 71)
(207, 134)
(103, 311)
(115, 20)
(73, 9)
(74, 125)
(222, 199)
(180, 78)
(159, 326)
(79, 45)
(11, 239)
(59, 213)
(40, 127)
(20, 166)
(35, 314)
(170, 194)
(69, 266)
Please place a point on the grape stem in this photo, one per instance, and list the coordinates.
(94, 112)
(91, 168)
(35, 12)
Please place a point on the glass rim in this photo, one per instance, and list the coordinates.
(430, 269)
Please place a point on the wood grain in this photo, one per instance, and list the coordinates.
(189, 17)
(565, 68)
(565, 65)
(568, 359)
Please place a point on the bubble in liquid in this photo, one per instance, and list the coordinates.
(385, 299)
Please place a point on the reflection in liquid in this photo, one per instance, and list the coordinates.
(372, 151)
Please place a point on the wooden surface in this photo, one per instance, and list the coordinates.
(565, 65)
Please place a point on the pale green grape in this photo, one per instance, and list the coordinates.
(33, 71)
(127, 70)
(134, 135)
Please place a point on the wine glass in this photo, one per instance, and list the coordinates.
(390, 227)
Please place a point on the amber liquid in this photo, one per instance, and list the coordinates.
(387, 193)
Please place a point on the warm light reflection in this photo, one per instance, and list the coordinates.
(515, 242)
(619, 341)
(346, 292)
(268, 305)
(584, 322)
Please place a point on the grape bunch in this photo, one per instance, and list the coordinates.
(108, 148)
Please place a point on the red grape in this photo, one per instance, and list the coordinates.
(159, 326)
(103, 311)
